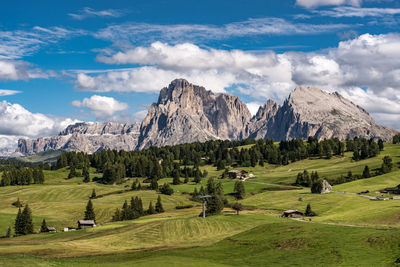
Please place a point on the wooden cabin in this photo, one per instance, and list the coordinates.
(292, 214)
(83, 224)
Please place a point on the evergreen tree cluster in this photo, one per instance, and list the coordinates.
(23, 222)
(134, 209)
(305, 179)
(363, 148)
(396, 139)
(22, 176)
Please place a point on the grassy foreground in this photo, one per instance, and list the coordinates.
(350, 230)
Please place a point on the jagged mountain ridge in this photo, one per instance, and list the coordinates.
(310, 111)
(186, 113)
(86, 137)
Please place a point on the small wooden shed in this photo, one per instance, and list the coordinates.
(83, 224)
(292, 214)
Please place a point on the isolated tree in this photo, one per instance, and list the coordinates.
(175, 179)
(19, 224)
(214, 205)
(139, 187)
(85, 173)
(8, 233)
(72, 172)
(387, 164)
(159, 206)
(134, 185)
(237, 207)
(239, 189)
(23, 222)
(380, 144)
(316, 187)
(154, 184)
(17, 203)
(211, 187)
(309, 212)
(166, 189)
(89, 212)
(43, 227)
(151, 209)
(366, 173)
(93, 194)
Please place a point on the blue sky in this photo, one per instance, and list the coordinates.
(67, 61)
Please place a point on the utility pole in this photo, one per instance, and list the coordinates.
(204, 204)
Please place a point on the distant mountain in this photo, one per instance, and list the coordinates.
(85, 137)
(312, 112)
(186, 113)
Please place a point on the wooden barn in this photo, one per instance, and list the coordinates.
(83, 224)
(292, 214)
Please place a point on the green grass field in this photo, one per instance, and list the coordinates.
(349, 230)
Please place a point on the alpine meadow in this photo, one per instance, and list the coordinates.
(211, 133)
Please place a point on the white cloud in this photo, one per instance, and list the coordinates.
(126, 34)
(6, 92)
(88, 12)
(253, 107)
(20, 43)
(347, 11)
(318, 3)
(15, 120)
(102, 106)
(368, 61)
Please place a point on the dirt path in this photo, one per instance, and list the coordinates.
(354, 194)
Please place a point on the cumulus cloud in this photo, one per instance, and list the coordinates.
(371, 62)
(16, 121)
(177, 33)
(318, 3)
(102, 106)
(88, 12)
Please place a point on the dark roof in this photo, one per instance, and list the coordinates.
(86, 222)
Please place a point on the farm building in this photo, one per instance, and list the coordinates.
(83, 224)
(292, 214)
(233, 174)
(51, 230)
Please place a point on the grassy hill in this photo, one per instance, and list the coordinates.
(350, 230)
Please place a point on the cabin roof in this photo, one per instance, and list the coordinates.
(88, 222)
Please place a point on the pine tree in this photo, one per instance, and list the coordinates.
(19, 224)
(117, 215)
(43, 227)
(176, 179)
(151, 209)
(214, 205)
(159, 206)
(380, 144)
(139, 187)
(186, 180)
(8, 233)
(239, 189)
(211, 188)
(72, 172)
(85, 173)
(309, 212)
(134, 185)
(27, 220)
(166, 189)
(89, 212)
(366, 173)
(93, 194)
(154, 184)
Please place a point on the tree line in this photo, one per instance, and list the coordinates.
(22, 176)
(134, 209)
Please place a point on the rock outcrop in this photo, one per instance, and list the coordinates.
(312, 112)
(186, 113)
(85, 137)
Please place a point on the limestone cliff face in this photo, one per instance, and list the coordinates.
(85, 137)
(312, 112)
(188, 113)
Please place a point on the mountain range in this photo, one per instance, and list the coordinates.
(186, 113)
